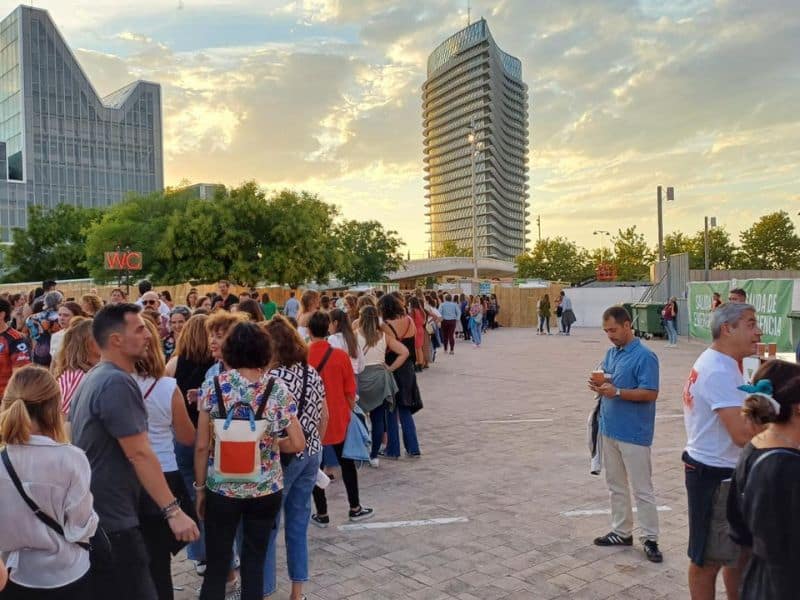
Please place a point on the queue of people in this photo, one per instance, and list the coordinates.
(138, 414)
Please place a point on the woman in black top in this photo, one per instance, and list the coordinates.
(764, 499)
(188, 365)
(408, 400)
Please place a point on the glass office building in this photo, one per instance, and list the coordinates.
(60, 142)
(471, 81)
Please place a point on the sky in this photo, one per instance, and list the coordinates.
(325, 96)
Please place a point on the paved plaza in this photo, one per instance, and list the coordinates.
(504, 457)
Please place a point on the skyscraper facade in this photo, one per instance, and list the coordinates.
(60, 142)
(472, 83)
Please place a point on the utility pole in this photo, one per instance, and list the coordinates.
(659, 203)
(539, 225)
(709, 222)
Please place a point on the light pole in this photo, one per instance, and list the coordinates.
(709, 222)
(603, 234)
(472, 137)
(670, 196)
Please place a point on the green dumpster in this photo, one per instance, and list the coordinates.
(794, 319)
(647, 319)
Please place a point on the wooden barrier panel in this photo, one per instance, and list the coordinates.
(518, 305)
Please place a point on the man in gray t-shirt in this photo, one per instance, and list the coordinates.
(109, 423)
(108, 405)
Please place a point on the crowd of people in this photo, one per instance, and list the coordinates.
(741, 460)
(137, 429)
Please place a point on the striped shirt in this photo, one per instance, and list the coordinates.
(68, 381)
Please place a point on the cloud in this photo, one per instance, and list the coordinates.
(624, 95)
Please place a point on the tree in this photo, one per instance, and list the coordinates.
(300, 241)
(632, 256)
(53, 244)
(367, 252)
(678, 242)
(450, 248)
(721, 250)
(138, 223)
(217, 239)
(555, 259)
(771, 243)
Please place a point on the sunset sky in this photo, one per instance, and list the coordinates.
(324, 95)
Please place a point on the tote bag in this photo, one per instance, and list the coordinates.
(357, 443)
(237, 455)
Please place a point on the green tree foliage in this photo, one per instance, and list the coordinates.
(771, 243)
(138, 223)
(632, 255)
(218, 239)
(367, 252)
(299, 238)
(721, 250)
(52, 246)
(555, 259)
(450, 248)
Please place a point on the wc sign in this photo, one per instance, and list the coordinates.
(126, 260)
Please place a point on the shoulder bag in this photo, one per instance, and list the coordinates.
(99, 547)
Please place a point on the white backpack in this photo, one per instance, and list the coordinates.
(237, 456)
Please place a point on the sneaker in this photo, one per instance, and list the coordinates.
(414, 454)
(362, 514)
(320, 521)
(652, 552)
(200, 567)
(374, 463)
(233, 590)
(613, 539)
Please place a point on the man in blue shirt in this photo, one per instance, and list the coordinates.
(627, 423)
(292, 306)
(451, 313)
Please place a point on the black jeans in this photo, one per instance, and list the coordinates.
(127, 576)
(350, 478)
(223, 515)
(77, 589)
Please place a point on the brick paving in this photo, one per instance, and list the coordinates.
(512, 481)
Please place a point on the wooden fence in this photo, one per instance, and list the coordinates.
(77, 288)
(518, 305)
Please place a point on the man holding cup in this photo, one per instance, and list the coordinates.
(628, 386)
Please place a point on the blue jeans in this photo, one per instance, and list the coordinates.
(475, 332)
(298, 482)
(672, 334)
(409, 432)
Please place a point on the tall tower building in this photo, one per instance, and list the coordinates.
(472, 82)
(60, 142)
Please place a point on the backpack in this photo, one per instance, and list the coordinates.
(237, 455)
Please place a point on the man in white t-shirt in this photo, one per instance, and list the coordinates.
(716, 430)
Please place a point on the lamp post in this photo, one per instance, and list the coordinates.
(709, 222)
(472, 137)
(603, 234)
(670, 196)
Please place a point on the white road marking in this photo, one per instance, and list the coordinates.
(518, 421)
(396, 524)
(602, 511)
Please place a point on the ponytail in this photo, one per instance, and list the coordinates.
(15, 423)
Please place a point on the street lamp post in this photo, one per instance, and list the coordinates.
(709, 222)
(670, 196)
(603, 234)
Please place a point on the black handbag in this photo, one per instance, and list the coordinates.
(99, 547)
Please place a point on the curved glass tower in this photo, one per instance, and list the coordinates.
(471, 81)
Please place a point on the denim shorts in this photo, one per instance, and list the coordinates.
(709, 533)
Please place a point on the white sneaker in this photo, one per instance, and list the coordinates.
(374, 463)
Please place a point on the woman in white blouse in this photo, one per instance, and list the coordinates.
(43, 562)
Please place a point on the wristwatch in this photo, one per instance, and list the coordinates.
(618, 392)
